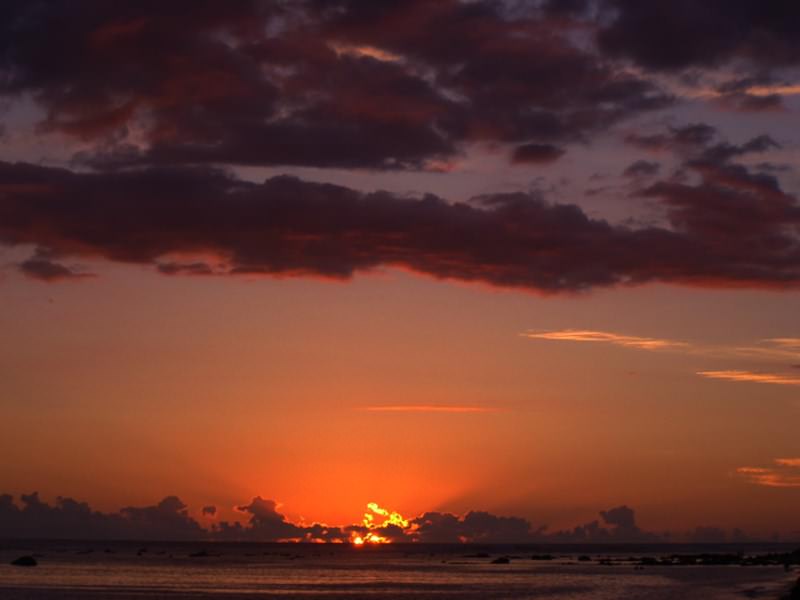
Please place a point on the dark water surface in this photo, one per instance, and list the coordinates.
(126, 570)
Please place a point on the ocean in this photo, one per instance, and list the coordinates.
(223, 571)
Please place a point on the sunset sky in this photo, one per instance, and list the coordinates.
(537, 258)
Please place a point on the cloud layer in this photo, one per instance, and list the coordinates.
(169, 217)
(334, 84)
(170, 520)
(388, 85)
(159, 96)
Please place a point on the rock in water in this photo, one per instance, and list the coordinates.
(24, 561)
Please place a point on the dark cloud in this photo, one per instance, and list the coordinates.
(266, 524)
(474, 527)
(738, 94)
(381, 85)
(47, 270)
(745, 102)
(732, 210)
(677, 34)
(521, 74)
(621, 528)
(722, 152)
(288, 227)
(175, 268)
(699, 142)
(730, 203)
(169, 520)
(536, 153)
(642, 168)
(684, 138)
(70, 519)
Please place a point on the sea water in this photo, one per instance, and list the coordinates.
(126, 570)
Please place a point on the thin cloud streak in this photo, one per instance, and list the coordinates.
(582, 335)
(757, 90)
(781, 349)
(749, 376)
(429, 408)
(785, 475)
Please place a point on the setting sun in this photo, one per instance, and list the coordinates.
(377, 531)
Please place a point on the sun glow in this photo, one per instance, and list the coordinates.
(376, 528)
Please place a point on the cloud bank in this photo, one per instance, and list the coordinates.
(170, 218)
(169, 520)
(162, 97)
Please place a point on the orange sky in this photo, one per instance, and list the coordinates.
(131, 386)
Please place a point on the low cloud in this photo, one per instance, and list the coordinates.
(170, 520)
(71, 519)
(473, 527)
(267, 524)
(618, 525)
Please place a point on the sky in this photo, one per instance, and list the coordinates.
(521, 270)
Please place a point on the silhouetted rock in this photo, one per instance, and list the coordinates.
(200, 554)
(584, 558)
(501, 560)
(24, 561)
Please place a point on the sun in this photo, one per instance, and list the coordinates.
(375, 527)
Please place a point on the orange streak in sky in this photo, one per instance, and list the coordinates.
(579, 335)
(749, 376)
(429, 408)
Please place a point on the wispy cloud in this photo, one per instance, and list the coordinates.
(784, 350)
(778, 349)
(785, 475)
(754, 90)
(768, 90)
(749, 376)
(587, 335)
(430, 408)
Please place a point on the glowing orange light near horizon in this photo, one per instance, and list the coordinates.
(371, 524)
